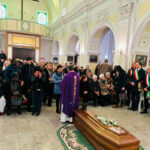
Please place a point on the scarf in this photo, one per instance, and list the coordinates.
(148, 84)
(136, 75)
(131, 72)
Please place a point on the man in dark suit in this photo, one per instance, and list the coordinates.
(136, 85)
(130, 76)
(146, 86)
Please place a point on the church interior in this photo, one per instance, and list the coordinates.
(84, 34)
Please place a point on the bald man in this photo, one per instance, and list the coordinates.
(146, 90)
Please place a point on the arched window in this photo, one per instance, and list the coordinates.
(2, 11)
(42, 18)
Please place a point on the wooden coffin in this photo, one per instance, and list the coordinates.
(104, 137)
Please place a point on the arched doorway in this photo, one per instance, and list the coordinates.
(141, 43)
(103, 44)
(55, 52)
(73, 50)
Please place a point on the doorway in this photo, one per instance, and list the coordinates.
(76, 59)
(23, 53)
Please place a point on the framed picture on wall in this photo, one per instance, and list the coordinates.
(70, 58)
(93, 59)
(42, 59)
(142, 59)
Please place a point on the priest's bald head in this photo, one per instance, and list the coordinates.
(70, 68)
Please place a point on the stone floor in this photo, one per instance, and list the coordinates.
(26, 132)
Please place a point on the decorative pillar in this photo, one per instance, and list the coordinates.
(124, 34)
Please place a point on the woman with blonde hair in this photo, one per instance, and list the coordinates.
(6, 64)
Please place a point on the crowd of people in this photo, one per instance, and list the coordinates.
(26, 83)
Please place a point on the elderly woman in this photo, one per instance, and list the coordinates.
(104, 87)
(112, 91)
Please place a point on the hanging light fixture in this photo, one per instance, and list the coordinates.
(36, 0)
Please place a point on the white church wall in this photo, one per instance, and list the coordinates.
(2, 42)
(46, 48)
(122, 17)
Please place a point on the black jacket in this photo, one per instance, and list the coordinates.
(120, 81)
(95, 86)
(37, 83)
(130, 76)
(141, 74)
(81, 72)
(47, 74)
(84, 86)
(27, 72)
(3, 56)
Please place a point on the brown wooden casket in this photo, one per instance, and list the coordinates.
(104, 137)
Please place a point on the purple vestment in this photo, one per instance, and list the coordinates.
(70, 93)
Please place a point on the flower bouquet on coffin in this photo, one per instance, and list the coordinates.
(111, 125)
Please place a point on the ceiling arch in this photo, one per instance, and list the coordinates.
(55, 8)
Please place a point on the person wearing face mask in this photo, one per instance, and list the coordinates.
(57, 78)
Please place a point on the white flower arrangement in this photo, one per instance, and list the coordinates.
(106, 122)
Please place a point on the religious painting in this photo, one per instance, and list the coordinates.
(93, 59)
(70, 58)
(142, 59)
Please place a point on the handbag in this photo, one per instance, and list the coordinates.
(123, 96)
(16, 100)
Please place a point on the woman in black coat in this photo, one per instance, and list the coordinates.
(49, 86)
(84, 91)
(96, 90)
(120, 84)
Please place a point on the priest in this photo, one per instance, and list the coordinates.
(69, 95)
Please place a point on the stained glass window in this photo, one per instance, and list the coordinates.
(2, 11)
(42, 18)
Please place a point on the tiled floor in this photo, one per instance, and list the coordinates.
(26, 132)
